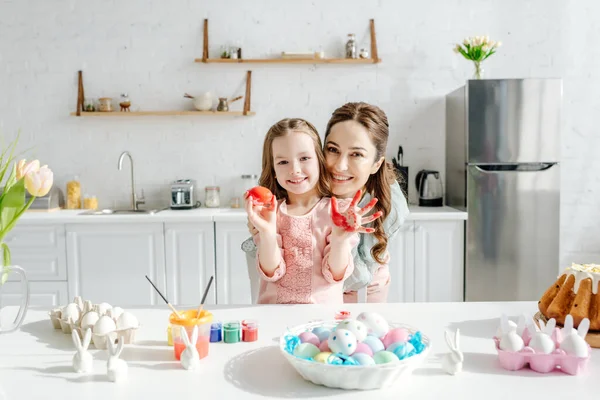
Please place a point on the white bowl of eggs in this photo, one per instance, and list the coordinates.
(363, 353)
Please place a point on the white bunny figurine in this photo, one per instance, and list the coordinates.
(510, 340)
(83, 362)
(542, 341)
(116, 369)
(452, 362)
(190, 359)
(573, 342)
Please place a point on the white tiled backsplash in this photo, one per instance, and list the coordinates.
(147, 48)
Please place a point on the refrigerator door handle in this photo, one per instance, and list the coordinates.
(496, 168)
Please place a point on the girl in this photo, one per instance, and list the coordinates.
(304, 245)
(355, 144)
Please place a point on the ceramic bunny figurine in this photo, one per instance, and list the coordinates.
(116, 369)
(190, 359)
(83, 362)
(542, 341)
(452, 362)
(573, 342)
(509, 339)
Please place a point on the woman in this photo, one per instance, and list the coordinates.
(355, 144)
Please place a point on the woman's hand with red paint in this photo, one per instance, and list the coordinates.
(261, 207)
(351, 220)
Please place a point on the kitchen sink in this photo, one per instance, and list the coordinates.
(108, 211)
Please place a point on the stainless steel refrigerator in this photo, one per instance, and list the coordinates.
(502, 167)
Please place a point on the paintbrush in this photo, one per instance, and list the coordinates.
(204, 297)
(164, 298)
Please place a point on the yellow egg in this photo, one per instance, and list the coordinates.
(322, 357)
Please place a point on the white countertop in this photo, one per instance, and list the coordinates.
(203, 215)
(35, 362)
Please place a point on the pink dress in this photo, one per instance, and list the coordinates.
(303, 275)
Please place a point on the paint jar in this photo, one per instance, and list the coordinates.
(189, 321)
(249, 331)
(341, 315)
(231, 332)
(216, 332)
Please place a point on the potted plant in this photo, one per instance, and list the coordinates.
(477, 49)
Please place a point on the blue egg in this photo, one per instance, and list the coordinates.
(363, 359)
(321, 332)
(306, 350)
(374, 343)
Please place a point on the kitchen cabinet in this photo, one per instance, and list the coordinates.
(427, 262)
(233, 283)
(44, 294)
(190, 262)
(108, 262)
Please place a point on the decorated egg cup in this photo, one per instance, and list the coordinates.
(539, 362)
(336, 372)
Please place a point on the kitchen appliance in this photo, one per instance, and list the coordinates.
(430, 188)
(182, 194)
(402, 171)
(52, 201)
(502, 167)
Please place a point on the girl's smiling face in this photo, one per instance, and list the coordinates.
(296, 164)
(350, 158)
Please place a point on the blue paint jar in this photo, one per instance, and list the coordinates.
(216, 334)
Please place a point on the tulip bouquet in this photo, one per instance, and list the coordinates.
(477, 49)
(20, 176)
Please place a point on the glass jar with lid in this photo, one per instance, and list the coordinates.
(212, 196)
(247, 183)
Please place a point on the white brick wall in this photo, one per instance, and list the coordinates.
(147, 48)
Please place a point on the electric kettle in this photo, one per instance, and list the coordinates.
(429, 188)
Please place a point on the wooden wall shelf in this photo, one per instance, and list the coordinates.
(374, 59)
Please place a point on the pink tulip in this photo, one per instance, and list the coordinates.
(38, 183)
(24, 167)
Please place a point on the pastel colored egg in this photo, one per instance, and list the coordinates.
(306, 350)
(395, 335)
(375, 323)
(364, 349)
(375, 344)
(392, 347)
(322, 333)
(342, 341)
(322, 357)
(309, 337)
(358, 328)
(385, 357)
(403, 350)
(324, 346)
(363, 359)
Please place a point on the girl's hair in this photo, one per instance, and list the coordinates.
(379, 184)
(284, 128)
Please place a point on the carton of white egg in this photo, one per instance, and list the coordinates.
(544, 350)
(106, 322)
(342, 353)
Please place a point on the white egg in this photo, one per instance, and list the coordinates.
(104, 325)
(358, 328)
(127, 320)
(89, 320)
(375, 323)
(103, 308)
(363, 359)
(511, 342)
(70, 311)
(116, 312)
(342, 341)
(374, 343)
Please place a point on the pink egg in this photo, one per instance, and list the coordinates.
(363, 348)
(324, 346)
(309, 337)
(395, 335)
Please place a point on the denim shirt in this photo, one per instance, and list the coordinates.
(364, 264)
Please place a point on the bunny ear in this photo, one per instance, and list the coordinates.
(120, 346)
(111, 346)
(568, 326)
(76, 339)
(87, 338)
(542, 325)
(448, 340)
(184, 336)
(550, 326)
(582, 330)
(504, 324)
(195, 335)
(457, 338)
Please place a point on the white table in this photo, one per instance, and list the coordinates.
(36, 361)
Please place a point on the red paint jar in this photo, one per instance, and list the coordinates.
(249, 331)
(341, 315)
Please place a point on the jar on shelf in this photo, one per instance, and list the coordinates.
(364, 53)
(105, 104)
(90, 202)
(351, 46)
(247, 183)
(211, 197)
(74, 194)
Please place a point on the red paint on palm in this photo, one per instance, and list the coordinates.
(350, 220)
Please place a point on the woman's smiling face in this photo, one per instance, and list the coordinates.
(350, 158)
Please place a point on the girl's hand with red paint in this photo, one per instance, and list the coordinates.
(262, 214)
(351, 220)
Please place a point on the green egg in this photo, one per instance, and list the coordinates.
(384, 357)
(306, 350)
(322, 357)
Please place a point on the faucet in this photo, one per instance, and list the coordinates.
(134, 200)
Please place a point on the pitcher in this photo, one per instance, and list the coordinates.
(24, 305)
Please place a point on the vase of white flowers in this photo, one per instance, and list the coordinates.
(477, 49)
